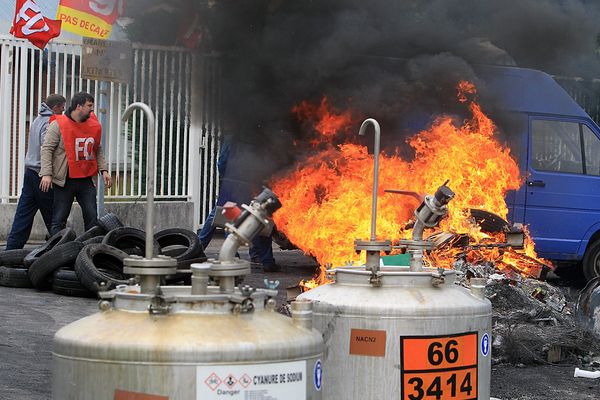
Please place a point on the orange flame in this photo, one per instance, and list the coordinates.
(328, 123)
(327, 197)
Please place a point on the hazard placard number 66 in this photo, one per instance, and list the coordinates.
(435, 355)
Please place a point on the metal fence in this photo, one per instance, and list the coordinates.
(586, 92)
(182, 90)
(205, 185)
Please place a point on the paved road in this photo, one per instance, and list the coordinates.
(28, 320)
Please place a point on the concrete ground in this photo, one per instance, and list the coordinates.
(29, 319)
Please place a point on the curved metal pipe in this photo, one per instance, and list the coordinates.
(418, 229)
(229, 248)
(250, 222)
(149, 172)
(250, 227)
(361, 132)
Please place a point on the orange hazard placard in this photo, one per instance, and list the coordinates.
(439, 367)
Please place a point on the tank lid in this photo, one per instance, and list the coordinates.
(394, 276)
(173, 299)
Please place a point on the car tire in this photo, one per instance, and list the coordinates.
(93, 232)
(94, 263)
(14, 277)
(130, 240)
(178, 243)
(94, 240)
(61, 256)
(489, 222)
(66, 283)
(13, 257)
(591, 261)
(63, 236)
(187, 264)
(109, 222)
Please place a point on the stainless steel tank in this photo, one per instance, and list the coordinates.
(403, 333)
(154, 342)
(188, 347)
(416, 335)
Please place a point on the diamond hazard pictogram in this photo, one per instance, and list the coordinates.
(213, 381)
(230, 381)
(245, 381)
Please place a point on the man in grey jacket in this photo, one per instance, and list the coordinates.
(32, 197)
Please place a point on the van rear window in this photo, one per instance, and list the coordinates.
(556, 146)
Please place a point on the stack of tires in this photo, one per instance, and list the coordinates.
(86, 264)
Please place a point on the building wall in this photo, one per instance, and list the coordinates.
(172, 214)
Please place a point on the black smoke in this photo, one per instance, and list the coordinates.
(396, 61)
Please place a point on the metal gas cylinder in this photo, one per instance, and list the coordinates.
(416, 335)
(203, 341)
(403, 333)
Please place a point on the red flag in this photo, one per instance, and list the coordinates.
(30, 24)
(191, 32)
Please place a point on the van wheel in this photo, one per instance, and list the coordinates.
(591, 261)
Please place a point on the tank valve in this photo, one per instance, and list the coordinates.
(200, 278)
(428, 214)
(302, 311)
(250, 222)
(478, 287)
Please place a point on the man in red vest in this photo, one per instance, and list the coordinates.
(71, 160)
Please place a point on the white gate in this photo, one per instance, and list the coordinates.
(179, 87)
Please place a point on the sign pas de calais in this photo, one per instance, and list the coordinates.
(106, 60)
(90, 18)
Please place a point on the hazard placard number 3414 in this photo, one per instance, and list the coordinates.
(439, 367)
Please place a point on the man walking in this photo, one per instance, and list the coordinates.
(71, 160)
(32, 198)
(238, 185)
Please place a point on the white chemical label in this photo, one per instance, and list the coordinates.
(279, 381)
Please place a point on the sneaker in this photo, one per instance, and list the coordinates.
(271, 267)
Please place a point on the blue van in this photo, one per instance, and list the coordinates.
(557, 146)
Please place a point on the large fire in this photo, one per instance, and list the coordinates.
(327, 197)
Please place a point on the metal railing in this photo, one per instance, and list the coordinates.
(182, 90)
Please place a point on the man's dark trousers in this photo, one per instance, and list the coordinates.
(84, 191)
(31, 200)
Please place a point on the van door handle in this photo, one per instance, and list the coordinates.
(536, 183)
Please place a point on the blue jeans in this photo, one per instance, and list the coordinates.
(32, 199)
(84, 191)
(261, 249)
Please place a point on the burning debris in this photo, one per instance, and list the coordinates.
(326, 196)
(326, 202)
